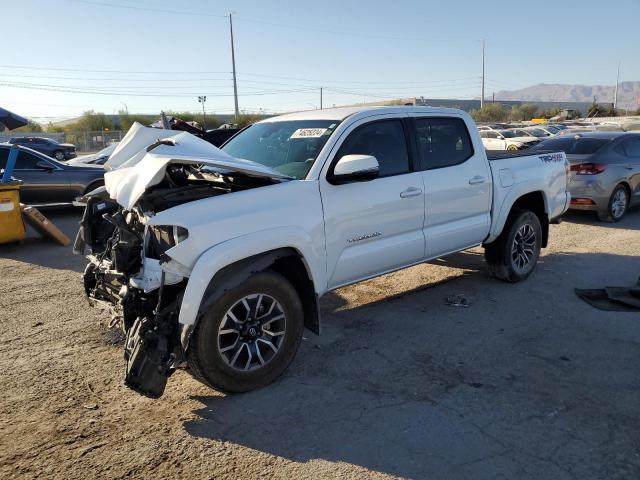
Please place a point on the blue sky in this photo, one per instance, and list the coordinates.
(73, 55)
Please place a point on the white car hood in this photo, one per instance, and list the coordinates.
(133, 145)
(128, 182)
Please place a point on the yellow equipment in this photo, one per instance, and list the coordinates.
(11, 224)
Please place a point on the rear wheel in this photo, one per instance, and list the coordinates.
(249, 336)
(617, 206)
(514, 254)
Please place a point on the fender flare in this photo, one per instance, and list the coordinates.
(234, 251)
(507, 205)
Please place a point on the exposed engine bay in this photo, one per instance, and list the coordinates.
(130, 273)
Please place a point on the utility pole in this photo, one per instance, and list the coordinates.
(233, 63)
(202, 99)
(482, 91)
(615, 92)
(320, 98)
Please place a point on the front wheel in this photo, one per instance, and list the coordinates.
(58, 155)
(248, 337)
(512, 148)
(514, 254)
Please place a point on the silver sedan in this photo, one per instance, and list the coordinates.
(604, 171)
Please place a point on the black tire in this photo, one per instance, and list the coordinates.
(504, 257)
(208, 364)
(512, 148)
(58, 155)
(615, 211)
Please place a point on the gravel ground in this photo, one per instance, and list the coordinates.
(528, 382)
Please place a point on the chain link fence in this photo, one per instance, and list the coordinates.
(85, 142)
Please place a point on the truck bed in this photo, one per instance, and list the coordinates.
(502, 154)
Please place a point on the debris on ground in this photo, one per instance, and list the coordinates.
(458, 300)
(613, 299)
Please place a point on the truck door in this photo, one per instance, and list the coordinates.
(374, 226)
(457, 183)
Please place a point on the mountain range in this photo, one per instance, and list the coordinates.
(628, 93)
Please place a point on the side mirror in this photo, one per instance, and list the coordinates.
(355, 168)
(500, 137)
(45, 165)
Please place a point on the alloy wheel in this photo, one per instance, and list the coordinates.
(619, 203)
(523, 247)
(251, 332)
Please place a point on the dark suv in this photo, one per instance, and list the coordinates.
(59, 151)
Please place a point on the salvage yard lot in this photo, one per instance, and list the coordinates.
(527, 382)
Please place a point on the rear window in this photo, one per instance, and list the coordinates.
(571, 145)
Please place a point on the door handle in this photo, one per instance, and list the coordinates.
(411, 192)
(477, 179)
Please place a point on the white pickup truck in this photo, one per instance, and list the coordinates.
(215, 260)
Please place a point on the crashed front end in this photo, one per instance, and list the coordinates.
(130, 273)
(129, 270)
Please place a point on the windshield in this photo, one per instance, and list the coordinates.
(289, 147)
(575, 146)
(536, 132)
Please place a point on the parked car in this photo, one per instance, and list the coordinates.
(549, 129)
(605, 171)
(217, 258)
(493, 126)
(47, 181)
(506, 140)
(98, 158)
(59, 151)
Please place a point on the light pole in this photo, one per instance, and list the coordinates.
(233, 64)
(202, 99)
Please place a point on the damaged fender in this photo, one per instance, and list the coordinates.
(227, 253)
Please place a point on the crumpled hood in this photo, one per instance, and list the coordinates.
(127, 183)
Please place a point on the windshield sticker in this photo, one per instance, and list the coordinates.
(553, 157)
(308, 133)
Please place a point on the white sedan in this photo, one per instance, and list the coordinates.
(506, 140)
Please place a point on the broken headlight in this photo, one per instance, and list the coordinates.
(163, 237)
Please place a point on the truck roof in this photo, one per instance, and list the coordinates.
(341, 113)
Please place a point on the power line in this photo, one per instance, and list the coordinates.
(350, 32)
(58, 88)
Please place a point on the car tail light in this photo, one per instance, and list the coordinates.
(588, 168)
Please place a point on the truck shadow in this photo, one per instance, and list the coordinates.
(409, 386)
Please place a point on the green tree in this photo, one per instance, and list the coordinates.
(90, 121)
(523, 112)
(490, 112)
(31, 126)
(245, 119)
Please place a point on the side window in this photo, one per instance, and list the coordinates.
(632, 147)
(483, 134)
(443, 142)
(384, 140)
(26, 161)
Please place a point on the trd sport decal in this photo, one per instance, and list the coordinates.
(552, 157)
